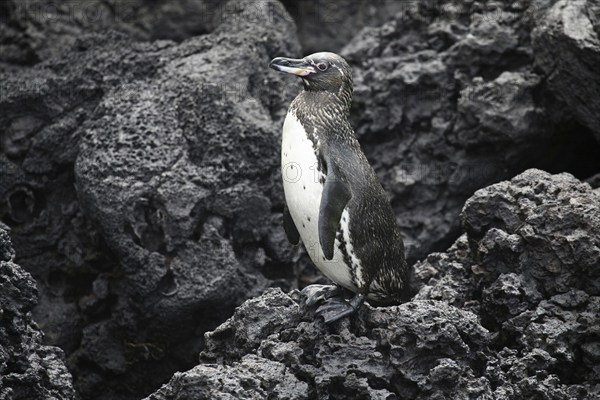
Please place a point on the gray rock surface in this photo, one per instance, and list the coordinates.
(252, 377)
(28, 368)
(325, 25)
(487, 322)
(566, 43)
(381, 353)
(34, 31)
(448, 100)
(165, 223)
(529, 266)
(544, 226)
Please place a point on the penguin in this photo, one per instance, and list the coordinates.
(333, 199)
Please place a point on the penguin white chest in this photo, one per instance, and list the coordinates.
(303, 187)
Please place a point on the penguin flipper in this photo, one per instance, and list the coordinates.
(336, 195)
(289, 227)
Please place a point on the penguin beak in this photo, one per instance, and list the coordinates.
(292, 66)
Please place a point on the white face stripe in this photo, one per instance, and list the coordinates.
(338, 68)
(331, 64)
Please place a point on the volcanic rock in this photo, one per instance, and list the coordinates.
(28, 368)
(418, 347)
(34, 31)
(329, 25)
(509, 311)
(566, 43)
(448, 100)
(140, 181)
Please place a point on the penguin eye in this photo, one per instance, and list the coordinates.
(322, 66)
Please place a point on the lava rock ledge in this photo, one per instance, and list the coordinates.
(510, 311)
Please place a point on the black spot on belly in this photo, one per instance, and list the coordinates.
(304, 187)
(303, 225)
(308, 218)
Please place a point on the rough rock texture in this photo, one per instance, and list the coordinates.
(416, 350)
(251, 378)
(447, 100)
(549, 223)
(566, 44)
(35, 30)
(510, 311)
(529, 266)
(325, 25)
(171, 216)
(28, 369)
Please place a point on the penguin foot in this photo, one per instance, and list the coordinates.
(336, 308)
(317, 293)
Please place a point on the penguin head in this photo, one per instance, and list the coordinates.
(319, 72)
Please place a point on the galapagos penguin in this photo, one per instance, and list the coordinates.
(334, 201)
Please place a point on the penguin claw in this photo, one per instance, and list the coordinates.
(317, 293)
(335, 309)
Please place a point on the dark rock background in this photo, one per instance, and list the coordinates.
(139, 178)
(28, 368)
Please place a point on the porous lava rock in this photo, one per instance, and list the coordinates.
(28, 368)
(141, 182)
(452, 97)
(509, 311)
